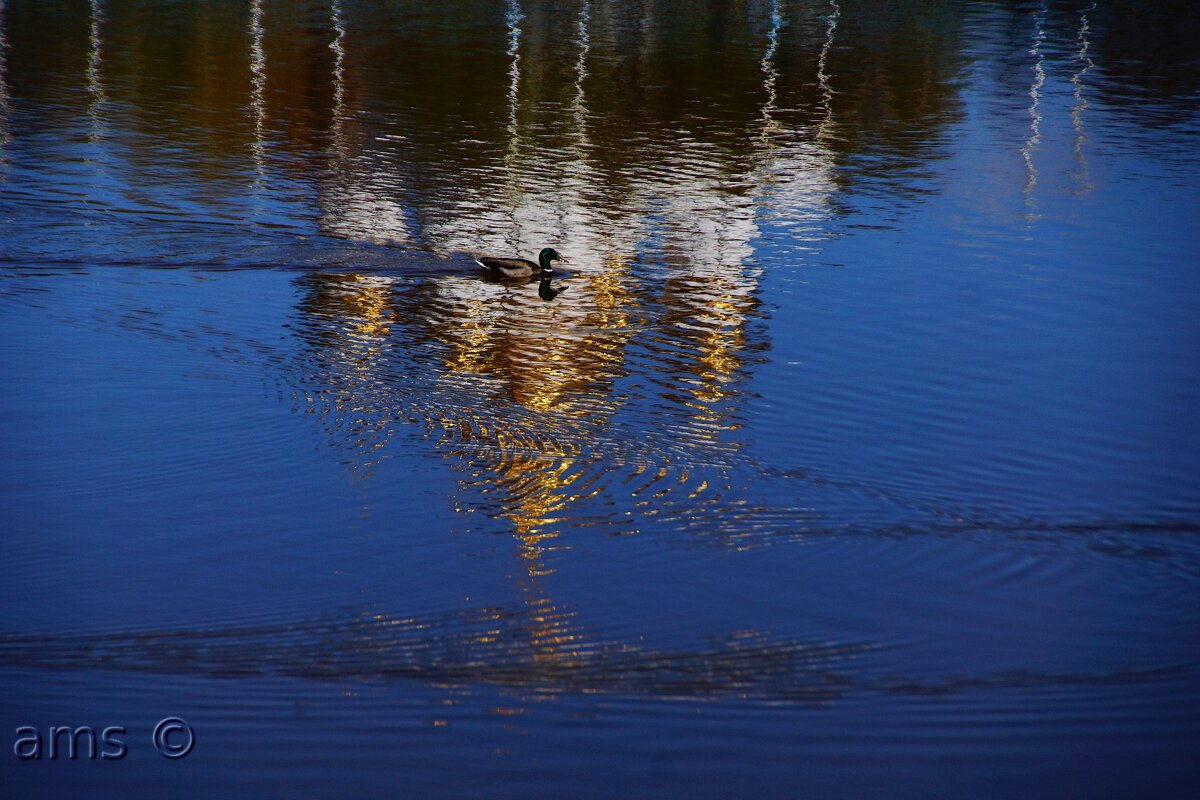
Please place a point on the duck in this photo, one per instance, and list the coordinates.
(520, 267)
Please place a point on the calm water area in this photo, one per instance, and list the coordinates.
(859, 457)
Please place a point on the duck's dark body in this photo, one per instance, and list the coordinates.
(519, 267)
(508, 267)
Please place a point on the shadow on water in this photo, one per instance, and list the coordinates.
(538, 648)
(535, 649)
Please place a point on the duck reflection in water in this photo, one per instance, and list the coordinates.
(548, 292)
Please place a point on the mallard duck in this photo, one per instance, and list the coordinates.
(519, 267)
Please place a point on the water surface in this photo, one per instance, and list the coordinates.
(859, 456)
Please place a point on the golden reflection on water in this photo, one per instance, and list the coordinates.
(527, 389)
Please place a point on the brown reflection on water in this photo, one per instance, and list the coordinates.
(489, 125)
(545, 151)
(530, 648)
(524, 649)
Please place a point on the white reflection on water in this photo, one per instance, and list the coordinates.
(258, 79)
(581, 28)
(4, 92)
(580, 173)
(512, 19)
(338, 46)
(770, 73)
(356, 203)
(544, 197)
(826, 126)
(1081, 173)
(549, 187)
(683, 205)
(95, 80)
(337, 125)
(1035, 97)
(796, 175)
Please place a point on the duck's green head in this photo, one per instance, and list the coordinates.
(547, 255)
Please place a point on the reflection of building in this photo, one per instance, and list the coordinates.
(546, 161)
(552, 180)
(656, 148)
(662, 235)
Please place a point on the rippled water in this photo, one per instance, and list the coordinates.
(858, 457)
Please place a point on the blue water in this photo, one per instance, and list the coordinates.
(859, 456)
